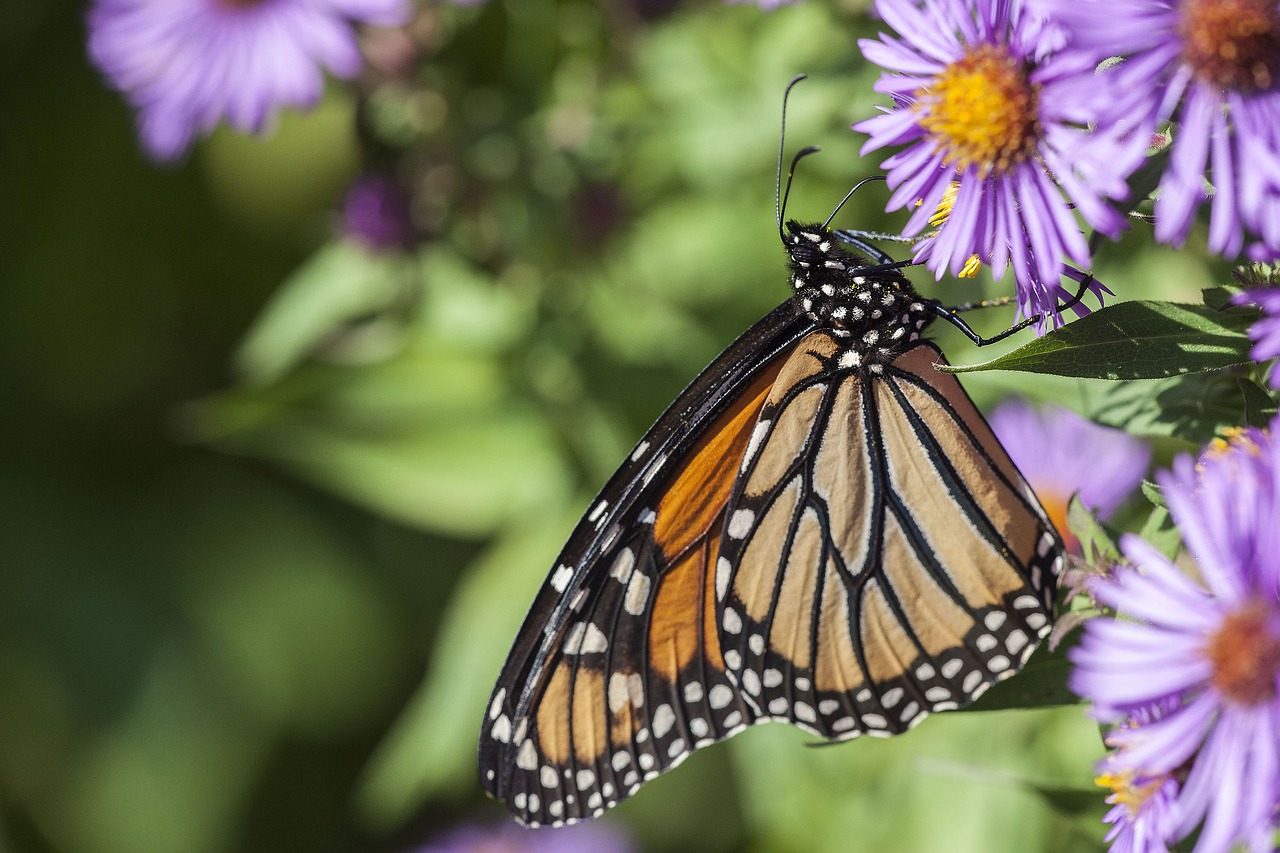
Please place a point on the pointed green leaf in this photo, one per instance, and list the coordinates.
(1097, 542)
(1134, 340)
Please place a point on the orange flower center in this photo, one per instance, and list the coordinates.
(1245, 653)
(1055, 506)
(981, 111)
(1232, 44)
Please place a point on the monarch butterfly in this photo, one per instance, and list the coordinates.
(820, 530)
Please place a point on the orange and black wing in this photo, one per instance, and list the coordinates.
(617, 674)
(882, 557)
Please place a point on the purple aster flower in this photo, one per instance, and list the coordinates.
(1208, 647)
(510, 838)
(1213, 67)
(1265, 332)
(976, 103)
(1144, 813)
(375, 213)
(1049, 444)
(187, 64)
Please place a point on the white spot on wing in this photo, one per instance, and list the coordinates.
(740, 523)
(722, 577)
(560, 579)
(496, 707)
(639, 451)
(501, 729)
(663, 719)
(597, 511)
(637, 594)
(720, 697)
(753, 445)
(526, 756)
(623, 564)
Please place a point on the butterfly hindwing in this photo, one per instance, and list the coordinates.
(616, 674)
(882, 557)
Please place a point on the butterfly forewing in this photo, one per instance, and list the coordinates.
(617, 673)
(882, 558)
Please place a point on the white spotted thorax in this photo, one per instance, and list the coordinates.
(879, 313)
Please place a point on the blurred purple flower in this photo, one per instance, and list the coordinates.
(976, 104)
(512, 838)
(1213, 66)
(1265, 332)
(1062, 454)
(375, 213)
(1207, 648)
(1144, 814)
(765, 4)
(187, 64)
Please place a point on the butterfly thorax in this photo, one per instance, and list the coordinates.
(879, 313)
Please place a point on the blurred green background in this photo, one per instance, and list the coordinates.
(271, 507)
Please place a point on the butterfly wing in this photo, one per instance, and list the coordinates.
(882, 557)
(616, 674)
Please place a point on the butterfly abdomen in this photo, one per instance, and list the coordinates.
(877, 312)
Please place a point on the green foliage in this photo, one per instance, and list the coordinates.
(1135, 340)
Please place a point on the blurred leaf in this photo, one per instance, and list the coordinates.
(953, 783)
(1134, 340)
(287, 618)
(182, 752)
(1159, 531)
(431, 750)
(1152, 493)
(1193, 408)
(1073, 802)
(341, 283)
(469, 478)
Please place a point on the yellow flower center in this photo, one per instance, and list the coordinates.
(1232, 44)
(1233, 438)
(982, 111)
(1245, 653)
(1124, 792)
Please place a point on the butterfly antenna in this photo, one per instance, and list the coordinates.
(778, 204)
(849, 195)
(791, 173)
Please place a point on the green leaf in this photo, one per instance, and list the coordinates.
(1097, 542)
(1134, 340)
(1160, 532)
(1219, 297)
(1152, 492)
(1193, 408)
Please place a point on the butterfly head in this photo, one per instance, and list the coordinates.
(843, 291)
